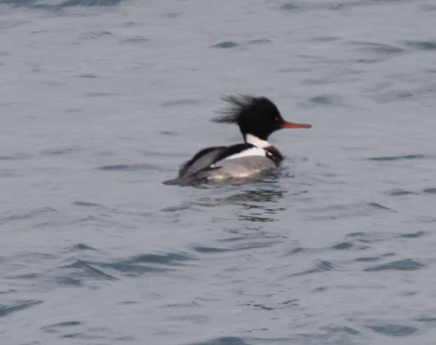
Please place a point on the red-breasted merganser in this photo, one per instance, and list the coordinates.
(257, 118)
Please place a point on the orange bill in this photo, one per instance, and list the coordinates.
(295, 125)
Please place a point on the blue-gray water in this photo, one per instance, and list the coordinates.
(101, 100)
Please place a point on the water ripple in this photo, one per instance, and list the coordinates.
(225, 45)
(401, 265)
(223, 341)
(319, 267)
(396, 158)
(128, 167)
(422, 45)
(19, 305)
(394, 330)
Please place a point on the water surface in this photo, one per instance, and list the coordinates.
(102, 100)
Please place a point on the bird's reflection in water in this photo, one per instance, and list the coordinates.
(257, 201)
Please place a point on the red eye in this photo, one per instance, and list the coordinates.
(276, 119)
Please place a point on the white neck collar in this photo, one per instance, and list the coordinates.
(252, 139)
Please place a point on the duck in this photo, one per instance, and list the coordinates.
(257, 118)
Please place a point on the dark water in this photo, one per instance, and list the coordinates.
(103, 100)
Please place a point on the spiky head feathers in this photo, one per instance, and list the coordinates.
(254, 115)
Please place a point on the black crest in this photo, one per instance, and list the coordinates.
(255, 115)
(237, 105)
(241, 104)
